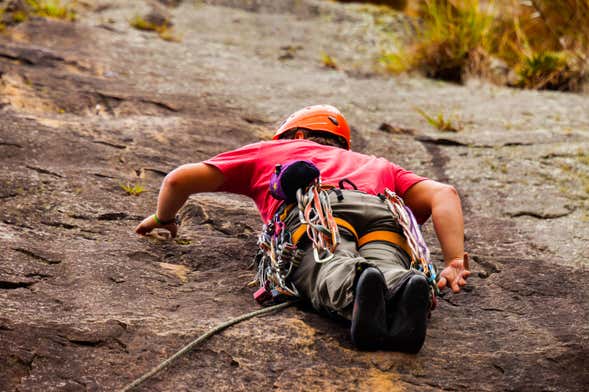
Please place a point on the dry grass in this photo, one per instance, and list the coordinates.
(162, 28)
(549, 70)
(446, 36)
(546, 43)
(441, 122)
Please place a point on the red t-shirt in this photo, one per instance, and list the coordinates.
(248, 169)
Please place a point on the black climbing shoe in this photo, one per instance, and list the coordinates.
(369, 316)
(407, 331)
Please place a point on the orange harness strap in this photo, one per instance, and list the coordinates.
(298, 233)
(346, 225)
(386, 236)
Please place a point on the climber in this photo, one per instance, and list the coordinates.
(369, 279)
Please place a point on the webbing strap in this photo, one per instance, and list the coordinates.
(298, 233)
(347, 225)
(386, 236)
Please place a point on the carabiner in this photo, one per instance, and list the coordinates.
(319, 260)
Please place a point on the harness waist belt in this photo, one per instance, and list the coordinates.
(386, 236)
(302, 229)
(381, 235)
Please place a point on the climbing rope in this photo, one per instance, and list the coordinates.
(202, 338)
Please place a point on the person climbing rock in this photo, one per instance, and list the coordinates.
(360, 260)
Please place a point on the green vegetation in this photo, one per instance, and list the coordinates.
(141, 24)
(52, 9)
(441, 122)
(41, 8)
(163, 28)
(545, 43)
(328, 61)
(19, 16)
(550, 70)
(133, 190)
(447, 40)
(169, 35)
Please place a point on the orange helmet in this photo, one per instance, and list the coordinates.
(324, 118)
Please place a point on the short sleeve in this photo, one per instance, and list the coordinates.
(238, 168)
(405, 179)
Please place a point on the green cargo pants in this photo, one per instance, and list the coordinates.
(329, 286)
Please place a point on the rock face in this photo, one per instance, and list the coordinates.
(86, 107)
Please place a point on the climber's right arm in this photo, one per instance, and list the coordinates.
(177, 186)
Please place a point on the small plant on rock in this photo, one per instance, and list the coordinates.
(547, 69)
(52, 9)
(441, 122)
(157, 24)
(19, 11)
(328, 61)
(133, 190)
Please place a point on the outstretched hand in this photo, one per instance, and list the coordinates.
(455, 274)
(149, 223)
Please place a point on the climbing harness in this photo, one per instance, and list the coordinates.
(201, 339)
(278, 255)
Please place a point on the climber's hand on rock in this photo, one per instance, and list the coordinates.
(150, 223)
(455, 274)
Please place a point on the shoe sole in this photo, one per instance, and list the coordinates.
(369, 312)
(412, 317)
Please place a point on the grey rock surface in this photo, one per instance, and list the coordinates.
(88, 106)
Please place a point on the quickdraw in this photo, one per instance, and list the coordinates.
(315, 211)
(277, 257)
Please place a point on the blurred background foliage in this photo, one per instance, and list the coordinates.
(538, 44)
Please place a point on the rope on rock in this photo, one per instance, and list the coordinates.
(202, 338)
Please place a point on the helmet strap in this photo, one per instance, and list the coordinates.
(299, 134)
